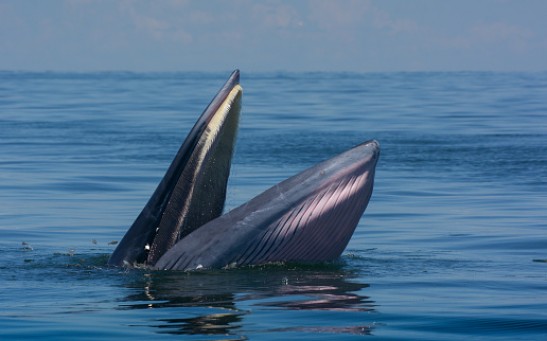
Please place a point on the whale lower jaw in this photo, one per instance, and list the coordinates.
(309, 217)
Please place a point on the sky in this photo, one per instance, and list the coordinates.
(264, 36)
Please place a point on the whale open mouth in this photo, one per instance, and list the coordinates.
(310, 217)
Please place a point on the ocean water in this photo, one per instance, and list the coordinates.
(453, 244)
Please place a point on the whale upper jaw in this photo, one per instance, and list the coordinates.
(193, 190)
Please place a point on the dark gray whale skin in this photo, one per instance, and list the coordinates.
(309, 217)
(193, 190)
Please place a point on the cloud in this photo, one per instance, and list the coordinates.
(486, 35)
(280, 16)
(159, 22)
(337, 16)
(496, 32)
(384, 21)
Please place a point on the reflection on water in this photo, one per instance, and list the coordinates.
(212, 324)
(217, 302)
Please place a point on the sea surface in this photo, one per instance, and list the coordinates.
(452, 246)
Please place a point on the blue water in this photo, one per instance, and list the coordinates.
(453, 244)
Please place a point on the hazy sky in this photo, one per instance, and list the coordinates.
(297, 35)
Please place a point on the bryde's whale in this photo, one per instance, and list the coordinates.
(309, 217)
